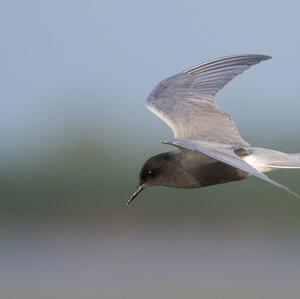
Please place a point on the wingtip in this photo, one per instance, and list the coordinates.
(294, 193)
(291, 192)
(266, 57)
(259, 57)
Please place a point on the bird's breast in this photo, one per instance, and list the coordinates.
(217, 173)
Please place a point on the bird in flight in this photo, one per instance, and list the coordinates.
(209, 149)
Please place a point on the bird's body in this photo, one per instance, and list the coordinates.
(193, 170)
(207, 172)
(210, 149)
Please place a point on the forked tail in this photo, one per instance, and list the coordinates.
(266, 160)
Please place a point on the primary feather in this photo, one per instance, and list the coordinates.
(186, 101)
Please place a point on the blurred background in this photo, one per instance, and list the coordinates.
(75, 131)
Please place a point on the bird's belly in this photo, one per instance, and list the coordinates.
(217, 173)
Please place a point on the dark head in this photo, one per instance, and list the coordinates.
(154, 172)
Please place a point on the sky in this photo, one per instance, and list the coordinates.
(86, 67)
(79, 72)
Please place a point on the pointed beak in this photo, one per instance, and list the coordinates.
(139, 189)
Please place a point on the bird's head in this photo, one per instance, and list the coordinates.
(153, 173)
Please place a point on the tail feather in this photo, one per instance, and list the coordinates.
(284, 164)
(290, 161)
(266, 159)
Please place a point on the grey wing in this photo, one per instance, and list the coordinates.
(186, 101)
(226, 155)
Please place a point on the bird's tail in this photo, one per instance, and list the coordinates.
(266, 160)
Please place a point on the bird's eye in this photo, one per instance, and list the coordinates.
(150, 172)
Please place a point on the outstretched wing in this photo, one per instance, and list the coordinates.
(226, 155)
(186, 101)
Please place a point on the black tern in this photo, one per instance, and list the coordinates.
(209, 148)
